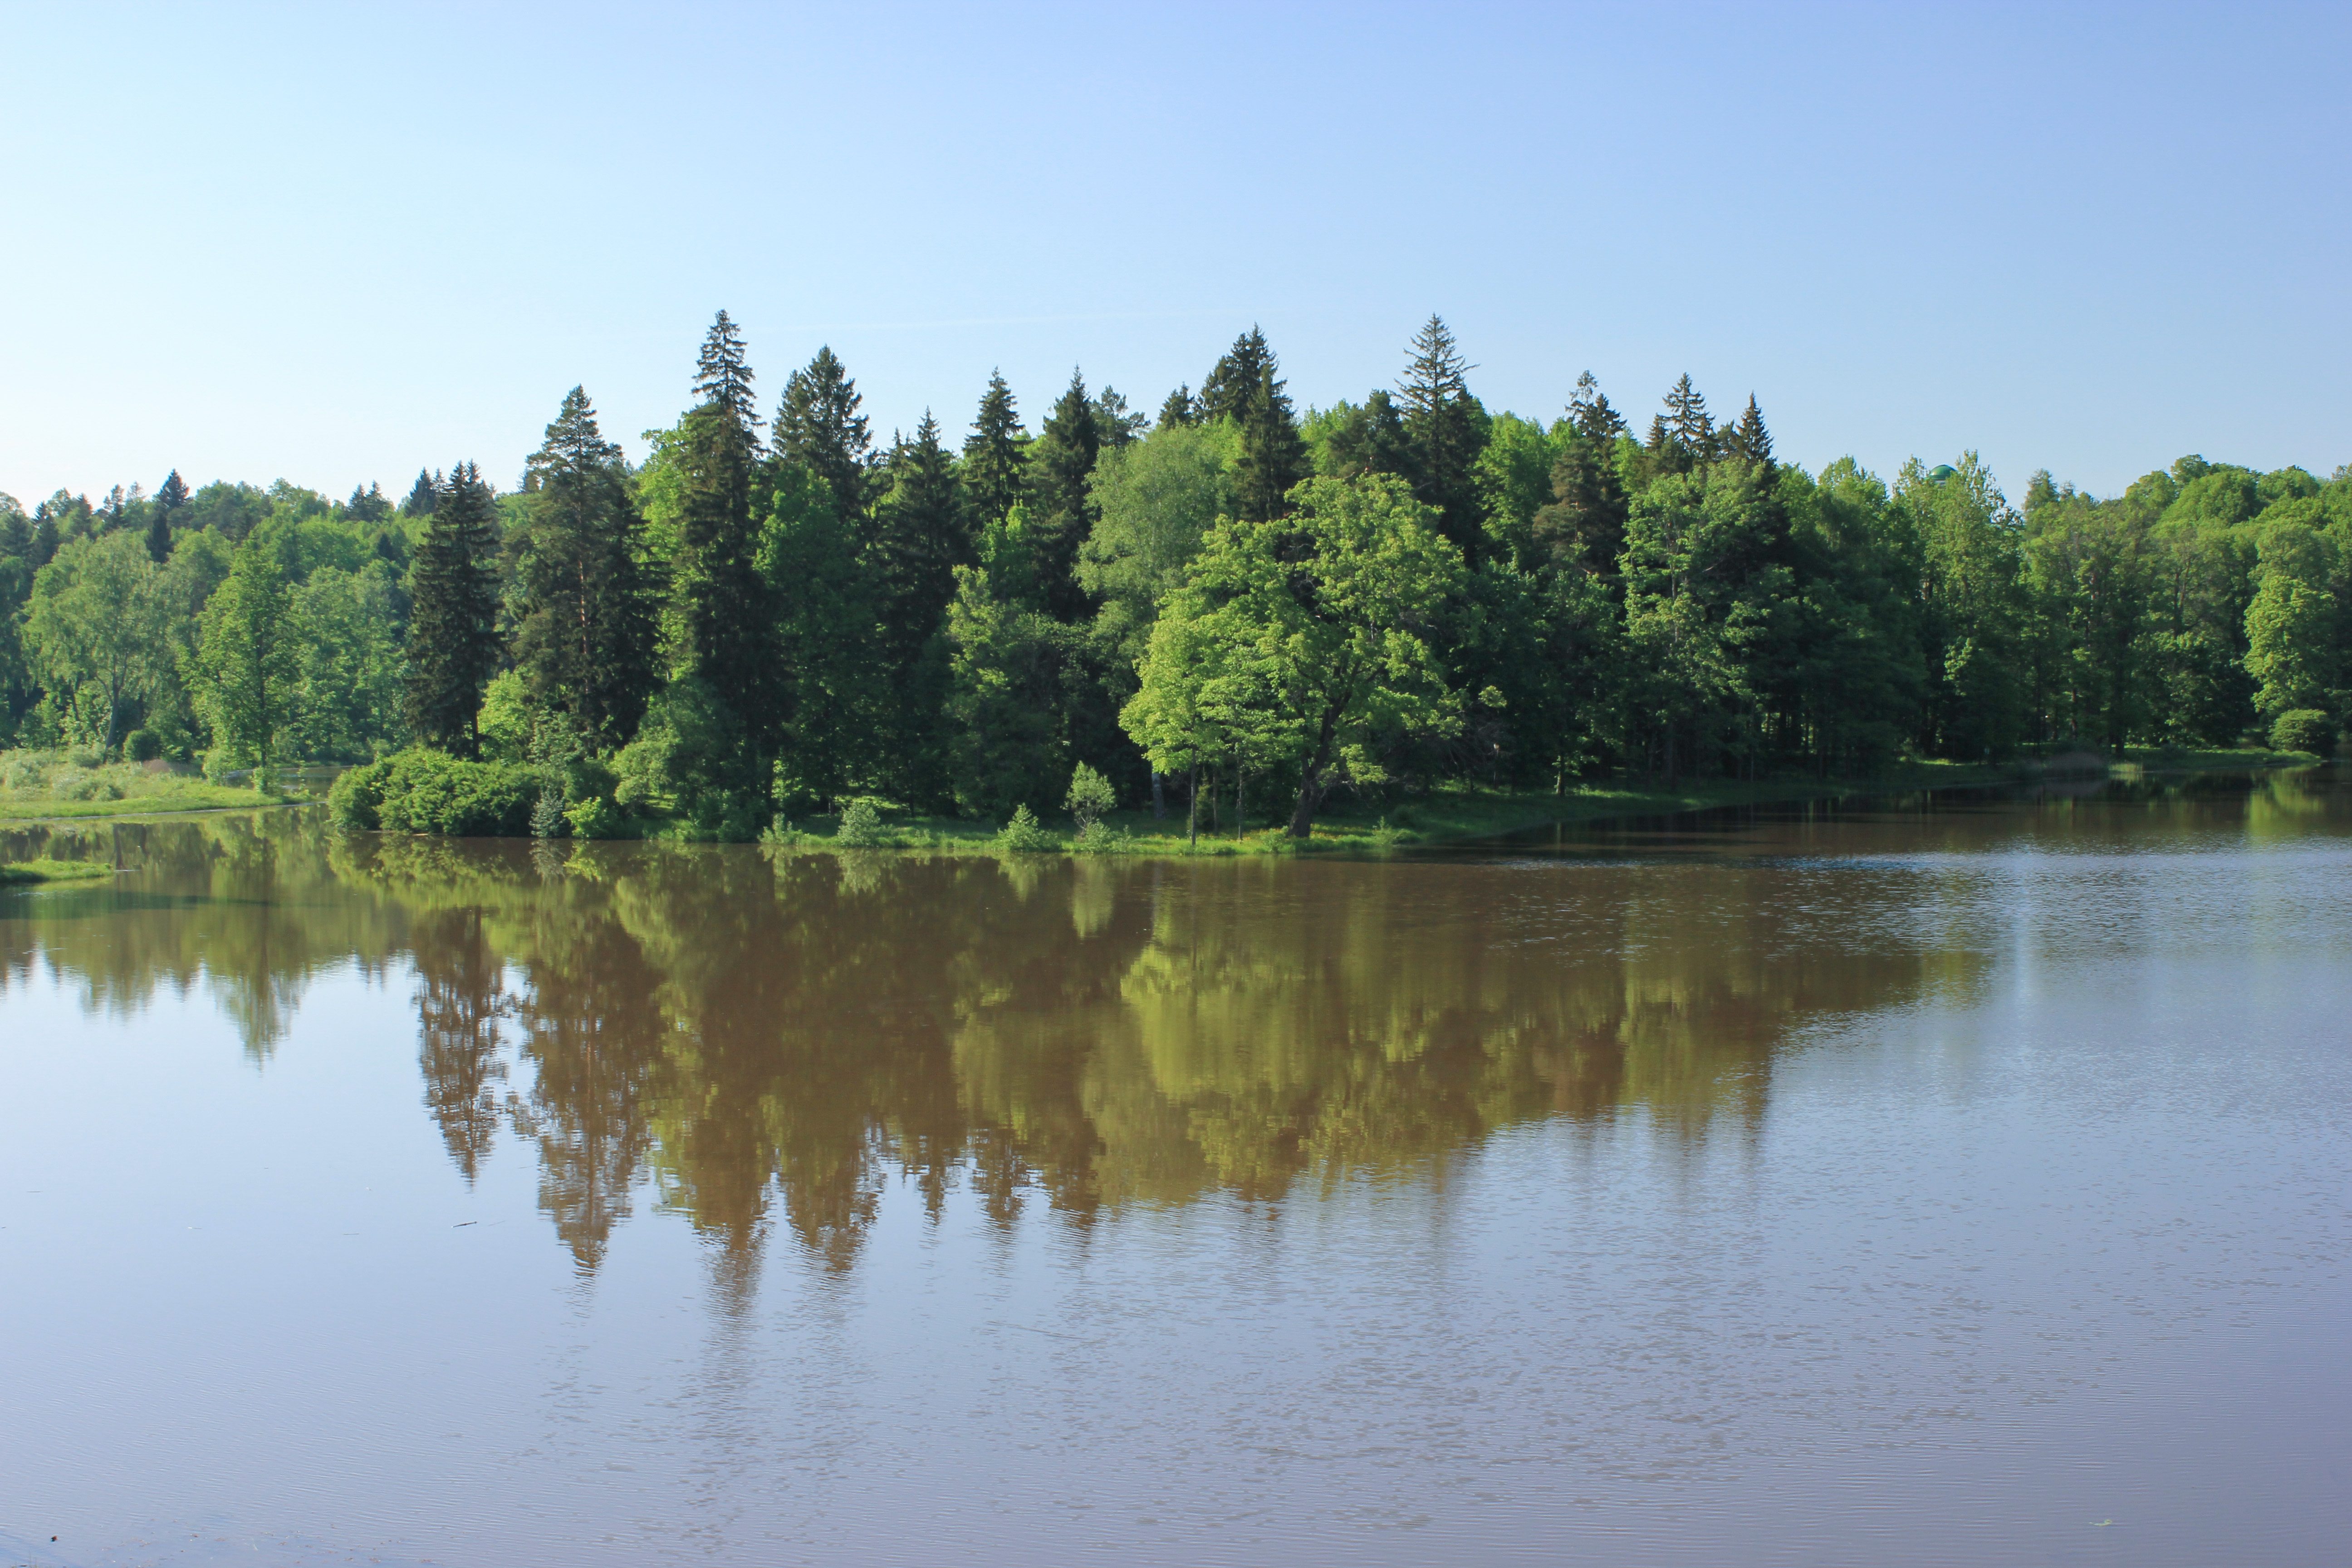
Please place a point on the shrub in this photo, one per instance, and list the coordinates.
(861, 825)
(594, 817)
(1023, 835)
(2302, 730)
(143, 746)
(422, 791)
(1096, 838)
(1090, 797)
(358, 796)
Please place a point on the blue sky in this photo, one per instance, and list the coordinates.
(334, 243)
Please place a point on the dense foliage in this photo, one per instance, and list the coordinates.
(768, 617)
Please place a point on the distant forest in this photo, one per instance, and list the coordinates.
(774, 613)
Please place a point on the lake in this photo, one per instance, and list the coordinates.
(1937, 1180)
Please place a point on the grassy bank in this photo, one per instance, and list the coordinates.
(1460, 814)
(52, 785)
(26, 871)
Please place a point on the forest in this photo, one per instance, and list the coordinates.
(1233, 600)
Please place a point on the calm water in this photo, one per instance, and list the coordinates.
(1951, 1183)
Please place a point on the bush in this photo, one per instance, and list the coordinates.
(141, 746)
(1096, 838)
(1023, 835)
(422, 791)
(358, 796)
(1090, 797)
(2303, 729)
(594, 817)
(861, 825)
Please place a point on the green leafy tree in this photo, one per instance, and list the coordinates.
(247, 667)
(96, 623)
(454, 646)
(1316, 638)
(825, 636)
(2294, 649)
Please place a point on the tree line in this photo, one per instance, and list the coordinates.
(1233, 600)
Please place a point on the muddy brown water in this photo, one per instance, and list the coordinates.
(1941, 1180)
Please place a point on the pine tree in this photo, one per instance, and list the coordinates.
(1444, 434)
(993, 455)
(1689, 423)
(1748, 439)
(1116, 425)
(1061, 515)
(1369, 439)
(158, 535)
(819, 427)
(723, 381)
(1584, 526)
(586, 642)
(368, 505)
(1273, 457)
(727, 610)
(453, 635)
(1179, 409)
(1234, 384)
(423, 496)
(922, 532)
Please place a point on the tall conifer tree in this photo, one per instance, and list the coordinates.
(722, 379)
(586, 643)
(1179, 409)
(423, 496)
(1232, 384)
(994, 453)
(727, 606)
(819, 427)
(1443, 433)
(1273, 457)
(1060, 511)
(453, 633)
(1584, 526)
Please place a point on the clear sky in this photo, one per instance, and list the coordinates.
(334, 243)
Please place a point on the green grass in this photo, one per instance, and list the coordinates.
(1463, 813)
(24, 871)
(36, 786)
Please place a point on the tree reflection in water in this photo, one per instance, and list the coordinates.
(768, 1039)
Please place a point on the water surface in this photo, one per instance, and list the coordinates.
(1935, 1182)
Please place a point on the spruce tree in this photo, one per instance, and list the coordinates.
(1688, 422)
(922, 532)
(819, 427)
(1273, 457)
(173, 493)
(1060, 511)
(158, 535)
(1444, 434)
(1179, 409)
(453, 632)
(1584, 526)
(587, 637)
(994, 453)
(368, 505)
(423, 496)
(1748, 439)
(1234, 381)
(723, 381)
(1369, 439)
(725, 603)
